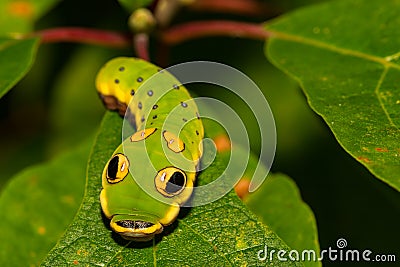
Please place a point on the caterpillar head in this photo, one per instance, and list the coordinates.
(140, 210)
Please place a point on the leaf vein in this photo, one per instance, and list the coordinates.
(386, 61)
(377, 93)
(205, 239)
(118, 252)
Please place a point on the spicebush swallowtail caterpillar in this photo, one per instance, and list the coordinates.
(133, 213)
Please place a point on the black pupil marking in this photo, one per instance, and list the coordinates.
(112, 169)
(134, 224)
(150, 93)
(140, 105)
(132, 92)
(175, 183)
(121, 69)
(116, 81)
(155, 106)
(139, 79)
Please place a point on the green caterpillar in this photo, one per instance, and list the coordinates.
(131, 208)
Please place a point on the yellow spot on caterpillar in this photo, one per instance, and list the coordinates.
(116, 174)
(173, 142)
(21, 9)
(141, 135)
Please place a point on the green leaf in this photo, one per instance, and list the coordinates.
(38, 204)
(131, 5)
(17, 56)
(220, 233)
(16, 59)
(280, 206)
(17, 17)
(345, 55)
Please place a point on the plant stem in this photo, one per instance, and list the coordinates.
(191, 30)
(141, 45)
(84, 35)
(173, 35)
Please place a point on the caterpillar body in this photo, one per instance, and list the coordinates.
(133, 212)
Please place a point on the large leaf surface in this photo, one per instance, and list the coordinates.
(280, 206)
(345, 55)
(221, 233)
(37, 205)
(16, 58)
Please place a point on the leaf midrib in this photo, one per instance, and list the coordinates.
(377, 90)
(385, 61)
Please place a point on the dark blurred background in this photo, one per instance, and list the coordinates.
(56, 107)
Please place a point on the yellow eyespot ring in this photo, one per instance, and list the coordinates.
(117, 168)
(173, 142)
(170, 181)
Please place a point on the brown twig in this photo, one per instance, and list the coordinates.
(191, 30)
(141, 45)
(173, 35)
(84, 35)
